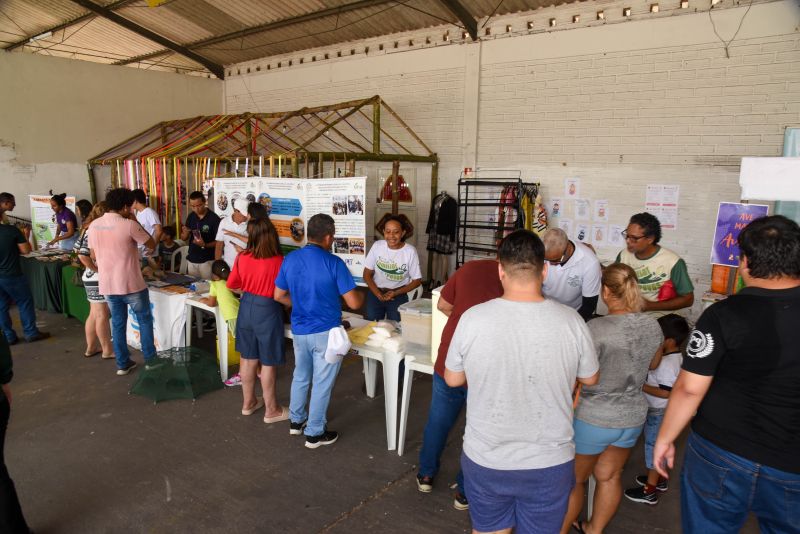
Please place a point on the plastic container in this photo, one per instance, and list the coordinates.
(415, 319)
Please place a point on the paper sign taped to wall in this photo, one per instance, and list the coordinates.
(770, 178)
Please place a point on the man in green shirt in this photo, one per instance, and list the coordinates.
(662, 274)
(13, 284)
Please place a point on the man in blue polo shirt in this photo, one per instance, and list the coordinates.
(311, 281)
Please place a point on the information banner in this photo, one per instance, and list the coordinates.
(731, 219)
(291, 202)
(43, 218)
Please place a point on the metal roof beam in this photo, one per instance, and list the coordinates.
(106, 13)
(361, 4)
(466, 18)
(65, 25)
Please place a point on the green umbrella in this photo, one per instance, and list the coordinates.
(179, 373)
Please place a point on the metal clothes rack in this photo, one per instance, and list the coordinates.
(484, 218)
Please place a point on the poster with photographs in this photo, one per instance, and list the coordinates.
(344, 200)
(291, 202)
(226, 190)
(572, 188)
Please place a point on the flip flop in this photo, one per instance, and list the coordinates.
(578, 527)
(108, 356)
(282, 417)
(90, 354)
(254, 409)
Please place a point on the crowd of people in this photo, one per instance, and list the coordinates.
(556, 393)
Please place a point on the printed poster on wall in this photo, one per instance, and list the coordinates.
(599, 234)
(583, 233)
(731, 219)
(582, 209)
(572, 188)
(344, 200)
(614, 236)
(556, 206)
(600, 211)
(291, 202)
(661, 200)
(43, 218)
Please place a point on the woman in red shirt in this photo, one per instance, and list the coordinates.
(259, 326)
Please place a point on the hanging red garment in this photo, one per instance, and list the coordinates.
(403, 191)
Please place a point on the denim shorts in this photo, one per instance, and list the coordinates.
(591, 439)
(532, 500)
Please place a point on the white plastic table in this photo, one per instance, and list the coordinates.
(390, 362)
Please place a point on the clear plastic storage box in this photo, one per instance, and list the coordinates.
(415, 320)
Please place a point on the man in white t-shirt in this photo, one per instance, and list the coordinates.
(147, 217)
(574, 274)
(232, 233)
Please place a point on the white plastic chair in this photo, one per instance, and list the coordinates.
(181, 252)
(415, 293)
(421, 364)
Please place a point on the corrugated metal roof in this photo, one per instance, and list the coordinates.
(233, 27)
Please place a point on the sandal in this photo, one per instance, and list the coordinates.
(282, 417)
(90, 354)
(254, 409)
(108, 356)
(578, 527)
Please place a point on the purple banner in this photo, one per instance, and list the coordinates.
(731, 219)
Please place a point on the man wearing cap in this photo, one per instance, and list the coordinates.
(230, 229)
(573, 277)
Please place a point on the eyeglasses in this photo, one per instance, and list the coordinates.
(634, 238)
(562, 261)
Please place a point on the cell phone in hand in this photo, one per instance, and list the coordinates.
(196, 234)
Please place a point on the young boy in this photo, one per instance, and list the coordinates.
(218, 293)
(657, 388)
(167, 247)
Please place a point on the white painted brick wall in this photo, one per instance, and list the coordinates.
(621, 106)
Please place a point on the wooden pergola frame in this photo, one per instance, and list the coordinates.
(173, 154)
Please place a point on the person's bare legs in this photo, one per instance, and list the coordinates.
(584, 464)
(103, 327)
(269, 376)
(90, 331)
(608, 473)
(247, 371)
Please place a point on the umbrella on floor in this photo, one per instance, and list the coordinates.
(179, 373)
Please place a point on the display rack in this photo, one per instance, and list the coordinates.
(485, 214)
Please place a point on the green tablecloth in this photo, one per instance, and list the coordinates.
(73, 298)
(44, 278)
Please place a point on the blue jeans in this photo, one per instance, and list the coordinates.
(446, 406)
(378, 310)
(719, 489)
(139, 304)
(651, 426)
(16, 288)
(312, 371)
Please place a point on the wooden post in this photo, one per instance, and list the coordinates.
(320, 167)
(395, 199)
(308, 168)
(351, 168)
(295, 167)
(376, 127)
(271, 166)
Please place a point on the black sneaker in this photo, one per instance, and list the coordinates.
(328, 437)
(460, 502)
(662, 486)
(424, 483)
(638, 494)
(37, 337)
(127, 369)
(295, 429)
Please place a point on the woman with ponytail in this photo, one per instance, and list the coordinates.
(611, 414)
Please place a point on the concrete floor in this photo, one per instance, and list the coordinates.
(88, 457)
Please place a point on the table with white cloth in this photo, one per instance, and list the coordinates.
(167, 305)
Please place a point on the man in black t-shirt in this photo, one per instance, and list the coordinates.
(741, 374)
(14, 286)
(200, 231)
